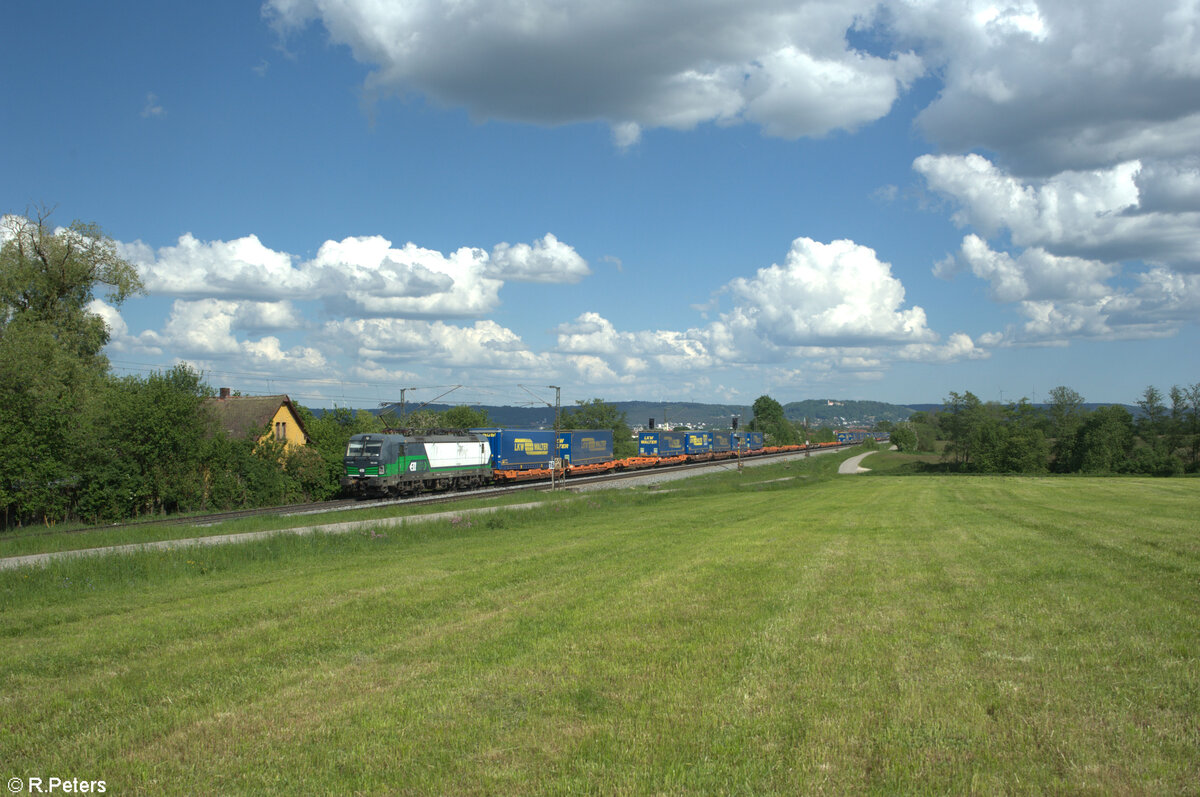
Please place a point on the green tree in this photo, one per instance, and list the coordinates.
(328, 436)
(1104, 442)
(1193, 425)
(769, 419)
(1156, 454)
(1024, 448)
(1153, 420)
(1065, 414)
(52, 371)
(50, 277)
(990, 438)
(822, 435)
(965, 424)
(464, 417)
(597, 414)
(926, 428)
(419, 422)
(904, 437)
(1177, 423)
(45, 393)
(144, 453)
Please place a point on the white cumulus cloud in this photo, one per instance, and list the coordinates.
(838, 293)
(546, 260)
(363, 275)
(1079, 238)
(242, 268)
(209, 326)
(1035, 273)
(787, 67)
(834, 307)
(485, 345)
(1056, 85)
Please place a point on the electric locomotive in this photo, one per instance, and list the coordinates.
(399, 464)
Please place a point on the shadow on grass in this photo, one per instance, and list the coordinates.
(921, 469)
(892, 463)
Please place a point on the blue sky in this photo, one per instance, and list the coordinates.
(697, 201)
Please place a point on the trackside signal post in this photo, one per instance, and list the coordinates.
(733, 424)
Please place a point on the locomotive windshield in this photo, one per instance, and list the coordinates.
(361, 448)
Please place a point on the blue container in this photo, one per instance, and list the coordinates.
(585, 446)
(660, 444)
(697, 442)
(722, 441)
(519, 449)
(748, 441)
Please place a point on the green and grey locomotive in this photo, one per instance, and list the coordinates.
(398, 464)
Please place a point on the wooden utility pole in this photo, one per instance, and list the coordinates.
(557, 409)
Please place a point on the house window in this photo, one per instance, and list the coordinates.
(280, 430)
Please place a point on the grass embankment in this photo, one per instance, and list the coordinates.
(847, 634)
(75, 537)
(21, 542)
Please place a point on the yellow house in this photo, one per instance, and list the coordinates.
(242, 416)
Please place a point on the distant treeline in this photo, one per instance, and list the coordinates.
(1063, 436)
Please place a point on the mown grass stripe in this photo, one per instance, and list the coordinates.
(863, 634)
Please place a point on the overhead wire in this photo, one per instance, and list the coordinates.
(505, 393)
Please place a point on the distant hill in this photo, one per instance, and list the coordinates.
(715, 416)
(1090, 406)
(834, 413)
(820, 412)
(637, 412)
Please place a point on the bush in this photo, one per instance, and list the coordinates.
(904, 437)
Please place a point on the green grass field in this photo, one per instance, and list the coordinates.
(734, 635)
(21, 542)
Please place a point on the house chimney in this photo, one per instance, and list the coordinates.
(224, 392)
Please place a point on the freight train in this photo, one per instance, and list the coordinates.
(402, 464)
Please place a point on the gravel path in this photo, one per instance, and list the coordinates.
(854, 464)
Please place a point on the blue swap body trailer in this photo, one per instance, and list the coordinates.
(585, 446)
(660, 444)
(532, 449)
(519, 449)
(697, 443)
(748, 441)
